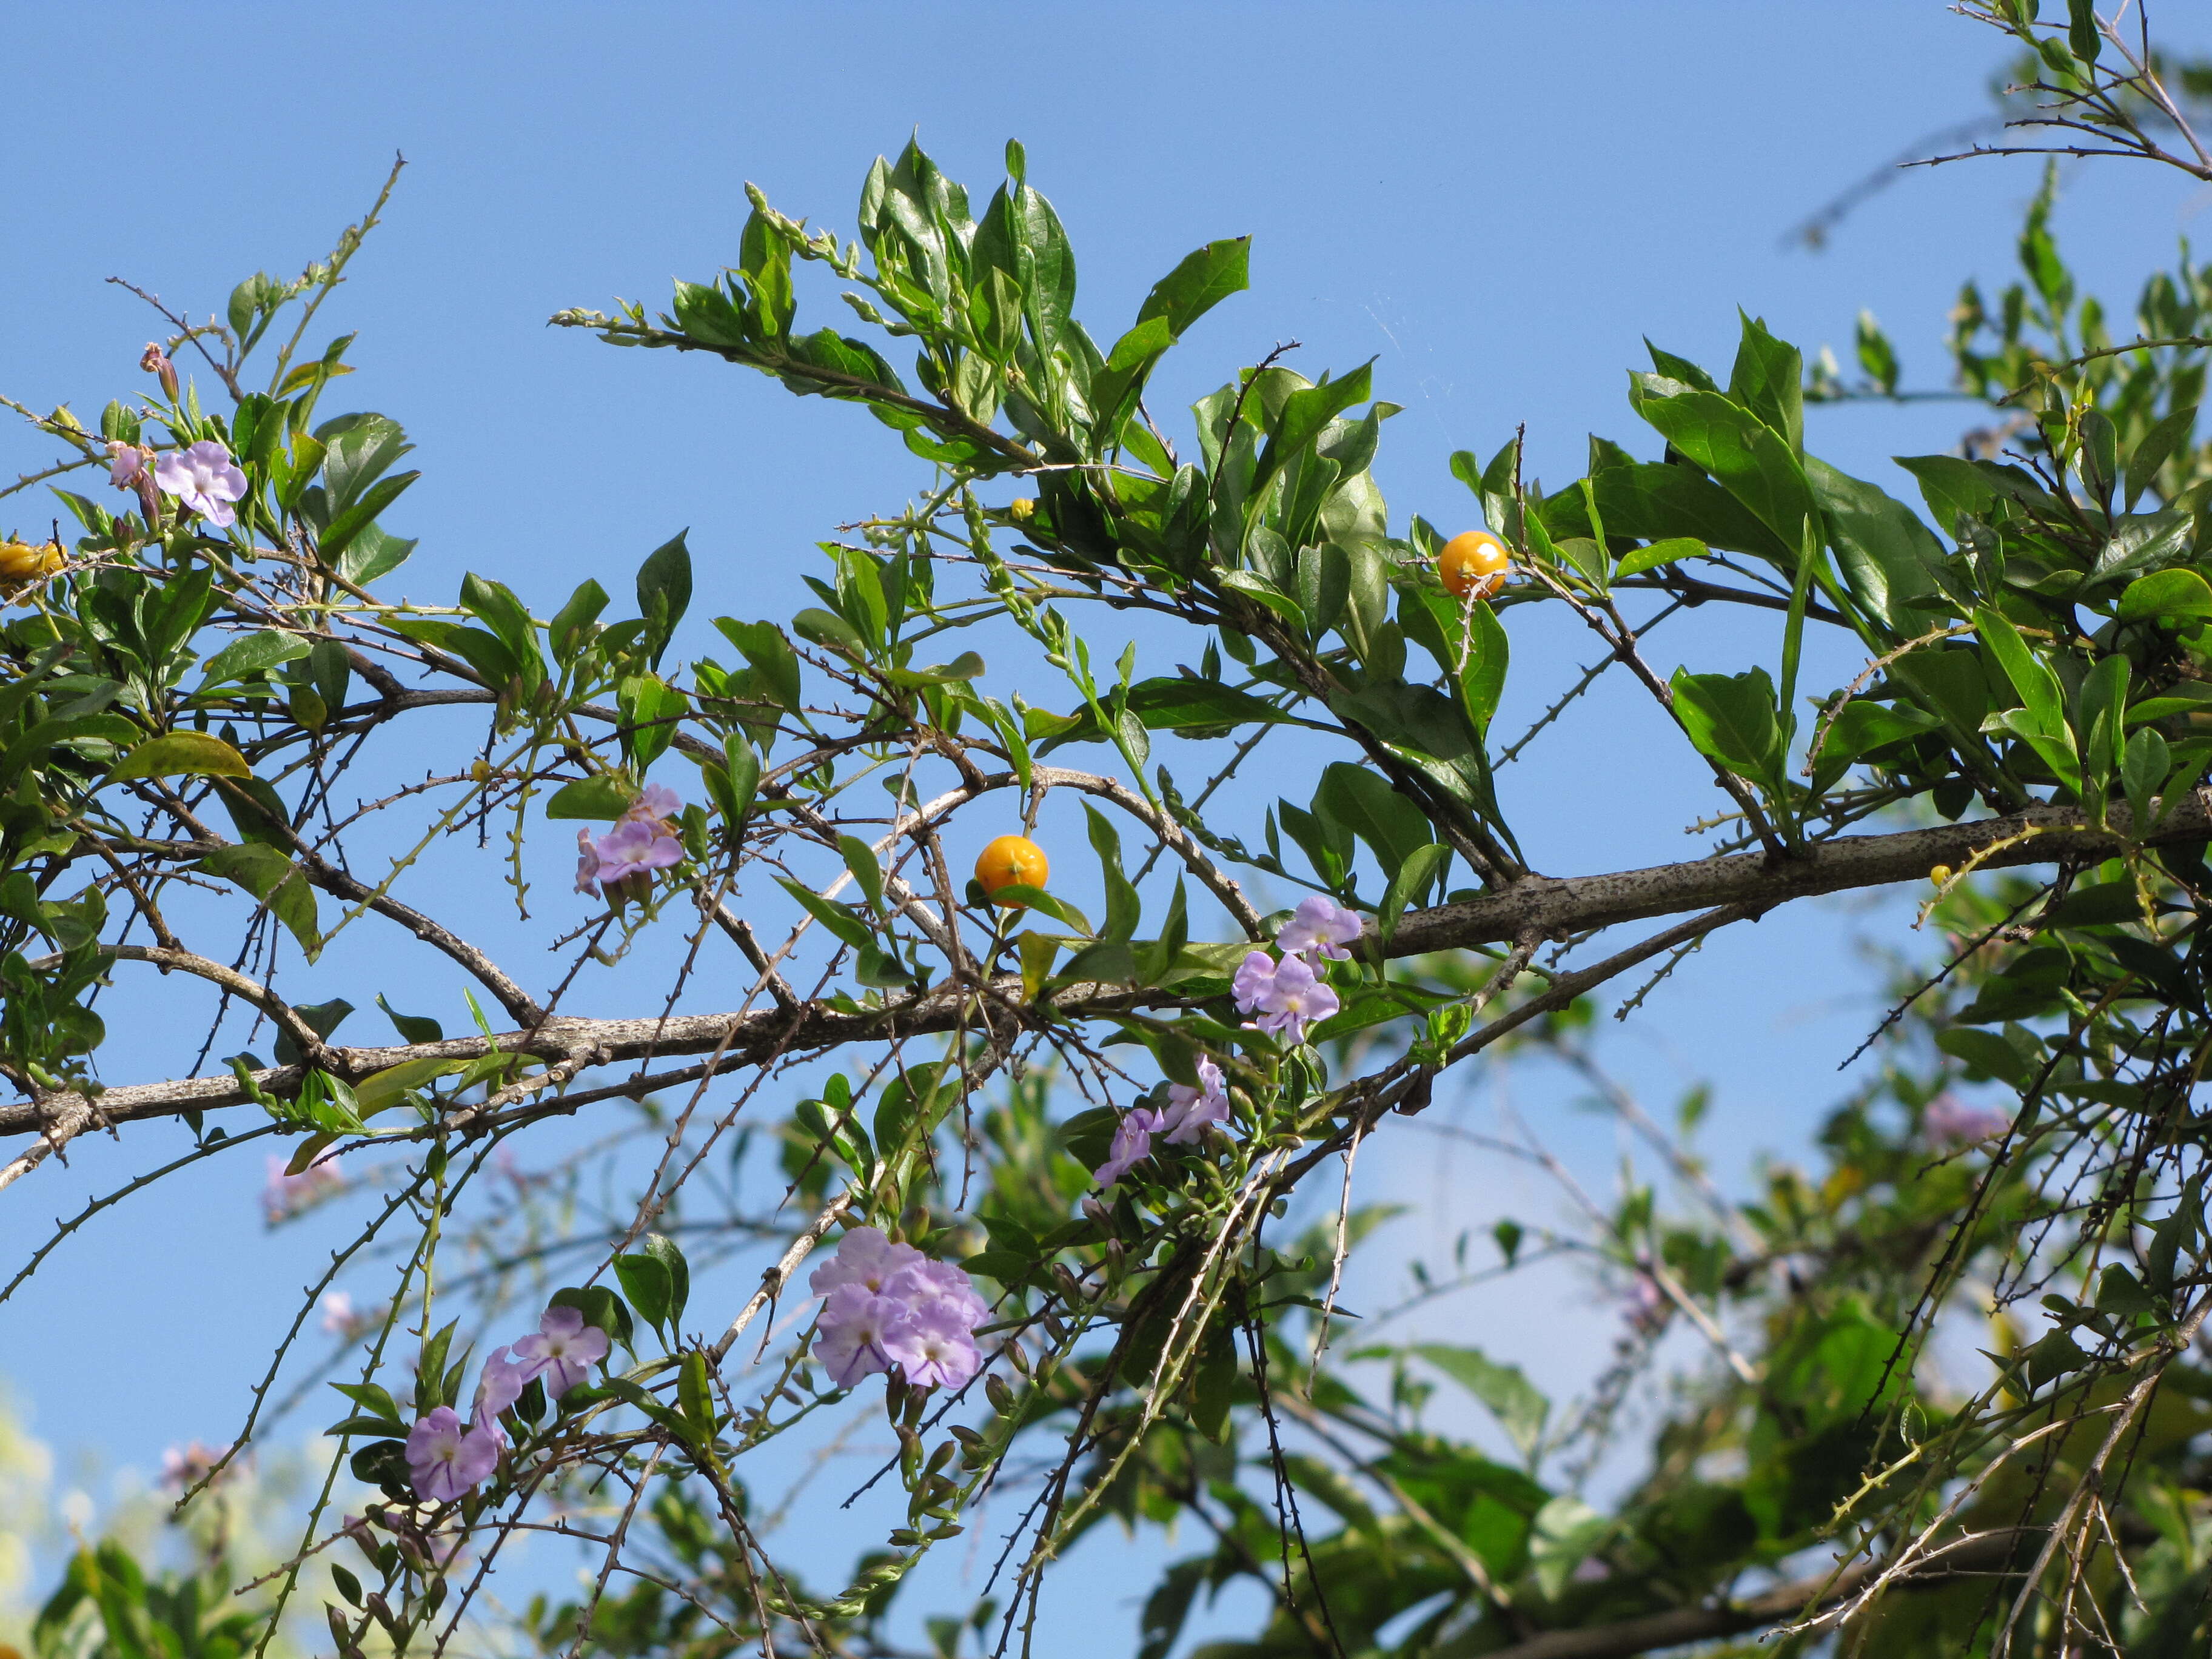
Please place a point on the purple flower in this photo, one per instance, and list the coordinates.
(501, 1386)
(888, 1305)
(126, 464)
(187, 1466)
(848, 1339)
(1646, 1308)
(931, 1347)
(635, 845)
(285, 1195)
(563, 1351)
(658, 804)
(1132, 1144)
(1322, 925)
(1190, 1110)
(1949, 1122)
(204, 479)
(445, 1458)
(1255, 978)
(867, 1258)
(927, 1285)
(1288, 992)
(587, 864)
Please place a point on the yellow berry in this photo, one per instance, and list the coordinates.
(1940, 874)
(1021, 509)
(21, 563)
(1013, 861)
(1475, 564)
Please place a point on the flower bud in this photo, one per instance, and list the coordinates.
(155, 362)
(1001, 1397)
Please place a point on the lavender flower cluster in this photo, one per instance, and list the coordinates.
(1288, 994)
(447, 1457)
(1180, 1122)
(642, 840)
(889, 1304)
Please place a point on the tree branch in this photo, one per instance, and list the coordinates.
(1546, 906)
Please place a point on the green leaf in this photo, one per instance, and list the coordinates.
(256, 653)
(1886, 556)
(837, 918)
(2081, 31)
(359, 449)
(861, 860)
(736, 782)
(1654, 501)
(1514, 1401)
(966, 666)
(412, 1028)
(827, 628)
(1254, 586)
(2047, 731)
(697, 1402)
(2165, 593)
(272, 878)
(179, 754)
(1730, 719)
(1123, 907)
(1198, 707)
(1984, 1052)
(1768, 379)
(1020, 895)
(1666, 550)
(1751, 462)
(645, 1281)
(1305, 414)
(602, 796)
(1202, 281)
(2143, 769)
(372, 551)
(343, 530)
(664, 592)
(381, 1090)
(1863, 726)
(1361, 800)
(1415, 876)
(663, 1250)
(773, 660)
(2153, 450)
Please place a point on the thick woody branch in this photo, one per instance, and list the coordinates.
(2042, 834)
(1538, 905)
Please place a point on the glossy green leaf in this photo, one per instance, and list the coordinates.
(2165, 593)
(1730, 719)
(602, 796)
(256, 653)
(1653, 555)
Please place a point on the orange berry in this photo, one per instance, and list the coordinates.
(1475, 564)
(1013, 861)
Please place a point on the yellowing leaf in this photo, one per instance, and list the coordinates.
(175, 754)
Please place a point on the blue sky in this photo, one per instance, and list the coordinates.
(1497, 202)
